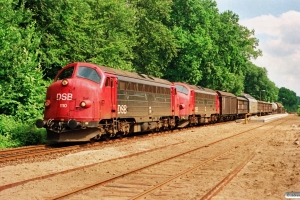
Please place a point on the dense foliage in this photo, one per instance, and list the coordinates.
(288, 99)
(21, 79)
(258, 84)
(180, 40)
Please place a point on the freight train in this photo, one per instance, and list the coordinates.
(87, 102)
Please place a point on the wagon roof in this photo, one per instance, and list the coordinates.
(242, 98)
(265, 102)
(248, 96)
(279, 105)
(222, 93)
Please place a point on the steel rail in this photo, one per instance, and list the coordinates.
(42, 152)
(23, 149)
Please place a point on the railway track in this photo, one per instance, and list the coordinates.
(112, 179)
(136, 184)
(21, 153)
(117, 177)
(6, 152)
(40, 150)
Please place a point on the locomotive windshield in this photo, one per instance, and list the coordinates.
(67, 73)
(88, 73)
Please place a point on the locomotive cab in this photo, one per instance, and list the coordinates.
(74, 101)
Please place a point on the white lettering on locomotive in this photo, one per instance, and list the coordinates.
(63, 105)
(122, 109)
(64, 96)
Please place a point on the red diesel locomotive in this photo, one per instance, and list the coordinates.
(86, 102)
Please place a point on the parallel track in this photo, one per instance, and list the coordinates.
(110, 181)
(32, 151)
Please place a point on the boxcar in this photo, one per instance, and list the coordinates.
(228, 105)
(242, 107)
(268, 108)
(253, 104)
(264, 108)
(274, 107)
(279, 108)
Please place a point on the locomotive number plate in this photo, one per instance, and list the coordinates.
(64, 96)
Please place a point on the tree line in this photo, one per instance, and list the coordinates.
(179, 40)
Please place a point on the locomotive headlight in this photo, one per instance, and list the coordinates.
(47, 103)
(64, 82)
(85, 104)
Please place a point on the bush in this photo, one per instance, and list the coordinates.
(6, 142)
(15, 133)
(298, 111)
(26, 135)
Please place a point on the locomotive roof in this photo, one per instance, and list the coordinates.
(134, 75)
(202, 89)
(198, 88)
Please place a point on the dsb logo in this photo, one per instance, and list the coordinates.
(64, 96)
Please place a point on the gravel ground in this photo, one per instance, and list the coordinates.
(273, 171)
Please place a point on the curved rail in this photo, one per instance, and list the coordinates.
(23, 149)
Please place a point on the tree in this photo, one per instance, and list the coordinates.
(188, 22)
(95, 31)
(288, 98)
(213, 49)
(21, 85)
(233, 47)
(258, 84)
(155, 45)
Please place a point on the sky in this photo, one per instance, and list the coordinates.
(277, 27)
